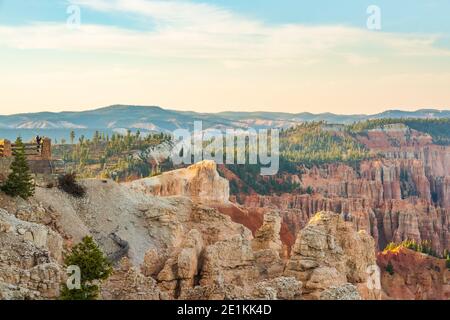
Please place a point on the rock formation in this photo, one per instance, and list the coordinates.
(182, 267)
(128, 283)
(394, 199)
(269, 250)
(200, 182)
(30, 257)
(329, 253)
(344, 292)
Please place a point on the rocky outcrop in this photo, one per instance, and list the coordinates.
(128, 283)
(268, 236)
(200, 182)
(269, 251)
(203, 252)
(282, 288)
(231, 261)
(32, 211)
(329, 253)
(344, 292)
(410, 275)
(182, 267)
(30, 257)
(207, 256)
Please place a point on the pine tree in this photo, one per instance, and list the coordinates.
(390, 268)
(94, 267)
(19, 182)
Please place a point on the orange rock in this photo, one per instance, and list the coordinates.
(415, 276)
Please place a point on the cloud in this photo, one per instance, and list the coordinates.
(290, 44)
(210, 22)
(170, 13)
(186, 30)
(358, 60)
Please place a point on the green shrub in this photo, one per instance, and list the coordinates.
(94, 267)
(309, 190)
(390, 268)
(412, 245)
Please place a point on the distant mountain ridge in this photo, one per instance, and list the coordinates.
(158, 119)
(121, 118)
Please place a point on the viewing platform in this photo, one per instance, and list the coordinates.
(33, 150)
(39, 158)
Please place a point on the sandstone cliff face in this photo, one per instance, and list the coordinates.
(329, 253)
(200, 182)
(413, 276)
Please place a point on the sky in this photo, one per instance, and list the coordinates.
(225, 55)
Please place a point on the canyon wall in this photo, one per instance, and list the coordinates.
(402, 195)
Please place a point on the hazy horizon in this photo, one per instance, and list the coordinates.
(224, 55)
(187, 109)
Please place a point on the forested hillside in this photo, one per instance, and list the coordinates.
(439, 129)
(312, 144)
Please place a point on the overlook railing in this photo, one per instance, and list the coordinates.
(39, 158)
(33, 150)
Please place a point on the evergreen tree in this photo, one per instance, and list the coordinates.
(390, 268)
(94, 267)
(19, 182)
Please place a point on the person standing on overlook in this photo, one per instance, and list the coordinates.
(38, 141)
